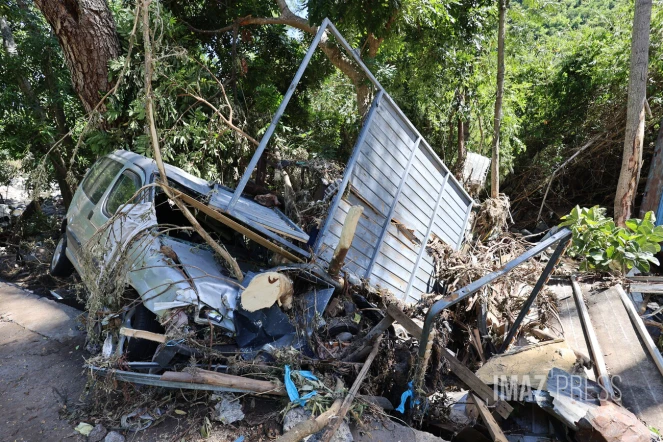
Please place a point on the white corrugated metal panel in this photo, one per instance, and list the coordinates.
(407, 194)
(476, 169)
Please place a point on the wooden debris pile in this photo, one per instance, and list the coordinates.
(313, 355)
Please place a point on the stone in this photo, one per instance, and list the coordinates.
(373, 430)
(97, 434)
(114, 436)
(228, 409)
(297, 415)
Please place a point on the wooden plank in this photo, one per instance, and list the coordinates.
(592, 341)
(234, 225)
(634, 372)
(642, 330)
(464, 374)
(473, 382)
(142, 334)
(493, 427)
(347, 402)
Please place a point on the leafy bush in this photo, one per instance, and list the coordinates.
(604, 246)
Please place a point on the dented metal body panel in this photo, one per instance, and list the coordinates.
(197, 280)
(189, 276)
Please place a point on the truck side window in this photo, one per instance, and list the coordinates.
(100, 177)
(127, 185)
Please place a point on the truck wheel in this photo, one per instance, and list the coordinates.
(141, 349)
(60, 264)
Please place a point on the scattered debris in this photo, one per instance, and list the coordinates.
(228, 409)
(375, 283)
(84, 428)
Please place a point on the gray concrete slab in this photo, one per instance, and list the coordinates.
(39, 315)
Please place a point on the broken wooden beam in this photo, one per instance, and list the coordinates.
(494, 429)
(464, 374)
(345, 241)
(142, 334)
(640, 327)
(347, 402)
(199, 376)
(311, 426)
(592, 340)
(239, 228)
(265, 289)
(364, 345)
(481, 389)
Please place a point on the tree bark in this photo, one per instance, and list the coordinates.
(86, 32)
(635, 113)
(495, 164)
(462, 132)
(334, 54)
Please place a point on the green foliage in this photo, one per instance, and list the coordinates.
(604, 246)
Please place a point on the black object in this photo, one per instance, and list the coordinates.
(141, 349)
(371, 311)
(264, 326)
(60, 264)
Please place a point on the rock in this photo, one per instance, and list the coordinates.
(17, 212)
(344, 336)
(97, 434)
(297, 415)
(114, 436)
(373, 430)
(228, 410)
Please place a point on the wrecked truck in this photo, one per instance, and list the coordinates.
(407, 195)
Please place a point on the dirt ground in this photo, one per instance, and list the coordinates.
(42, 378)
(41, 369)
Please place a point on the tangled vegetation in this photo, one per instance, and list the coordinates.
(604, 246)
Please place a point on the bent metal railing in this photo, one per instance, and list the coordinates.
(561, 238)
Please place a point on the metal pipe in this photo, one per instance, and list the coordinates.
(277, 116)
(543, 279)
(473, 287)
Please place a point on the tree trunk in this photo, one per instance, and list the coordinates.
(495, 165)
(86, 32)
(635, 113)
(462, 132)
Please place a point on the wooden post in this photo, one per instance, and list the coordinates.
(345, 241)
(464, 374)
(199, 376)
(493, 427)
(347, 402)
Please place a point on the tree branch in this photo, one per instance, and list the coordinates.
(289, 18)
(157, 151)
